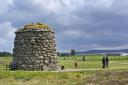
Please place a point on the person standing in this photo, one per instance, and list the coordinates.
(106, 61)
(103, 62)
(76, 64)
(84, 58)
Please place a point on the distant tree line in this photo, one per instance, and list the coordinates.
(62, 54)
(5, 54)
(71, 53)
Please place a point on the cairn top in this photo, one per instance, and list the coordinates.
(35, 27)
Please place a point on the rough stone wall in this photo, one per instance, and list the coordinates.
(35, 50)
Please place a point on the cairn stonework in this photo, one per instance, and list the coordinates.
(35, 48)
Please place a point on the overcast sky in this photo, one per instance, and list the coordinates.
(78, 24)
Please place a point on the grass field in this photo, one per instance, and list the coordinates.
(118, 65)
(93, 62)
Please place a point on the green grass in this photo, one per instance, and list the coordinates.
(93, 62)
(42, 78)
(64, 78)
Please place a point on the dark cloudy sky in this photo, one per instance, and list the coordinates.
(78, 24)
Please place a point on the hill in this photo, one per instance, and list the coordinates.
(103, 51)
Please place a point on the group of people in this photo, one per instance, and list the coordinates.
(105, 62)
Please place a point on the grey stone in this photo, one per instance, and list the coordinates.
(34, 48)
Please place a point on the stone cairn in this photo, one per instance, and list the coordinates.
(35, 48)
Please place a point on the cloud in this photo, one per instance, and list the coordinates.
(5, 5)
(78, 24)
(6, 36)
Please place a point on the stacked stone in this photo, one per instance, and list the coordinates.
(35, 49)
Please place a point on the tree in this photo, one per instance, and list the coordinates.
(73, 52)
(5, 54)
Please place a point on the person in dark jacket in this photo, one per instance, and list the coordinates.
(106, 61)
(103, 62)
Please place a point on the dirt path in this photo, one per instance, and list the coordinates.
(69, 70)
(75, 70)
